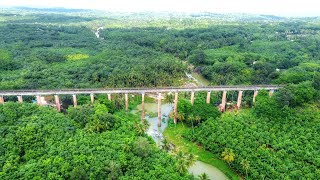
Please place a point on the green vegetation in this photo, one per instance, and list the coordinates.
(57, 48)
(175, 134)
(275, 139)
(278, 138)
(200, 109)
(191, 116)
(60, 50)
(87, 143)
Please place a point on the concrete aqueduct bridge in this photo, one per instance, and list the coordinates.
(142, 91)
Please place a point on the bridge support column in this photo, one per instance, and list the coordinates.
(223, 101)
(92, 98)
(175, 107)
(39, 100)
(208, 97)
(142, 107)
(126, 101)
(20, 100)
(1, 100)
(239, 99)
(159, 110)
(57, 102)
(74, 97)
(271, 93)
(109, 97)
(192, 97)
(255, 94)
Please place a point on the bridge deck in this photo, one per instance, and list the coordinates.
(136, 90)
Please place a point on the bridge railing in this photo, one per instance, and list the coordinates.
(145, 88)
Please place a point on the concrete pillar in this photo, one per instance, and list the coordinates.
(175, 108)
(159, 110)
(239, 99)
(57, 102)
(1, 100)
(39, 100)
(255, 94)
(20, 100)
(126, 101)
(208, 97)
(224, 101)
(109, 97)
(92, 98)
(142, 107)
(74, 100)
(192, 97)
(271, 92)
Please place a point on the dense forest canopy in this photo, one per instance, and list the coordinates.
(60, 50)
(88, 143)
(278, 138)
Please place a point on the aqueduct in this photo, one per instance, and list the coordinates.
(142, 91)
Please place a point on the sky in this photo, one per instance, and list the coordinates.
(270, 7)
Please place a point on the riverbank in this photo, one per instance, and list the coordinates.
(173, 133)
(200, 79)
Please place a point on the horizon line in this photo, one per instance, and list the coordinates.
(161, 11)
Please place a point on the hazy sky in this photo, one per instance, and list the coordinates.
(274, 7)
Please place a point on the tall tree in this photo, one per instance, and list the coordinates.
(228, 155)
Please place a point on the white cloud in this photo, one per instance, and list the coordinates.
(275, 7)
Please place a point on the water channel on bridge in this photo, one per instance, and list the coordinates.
(156, 133)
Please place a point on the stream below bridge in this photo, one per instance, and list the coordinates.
(157, 134)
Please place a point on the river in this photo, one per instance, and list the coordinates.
(156, 133)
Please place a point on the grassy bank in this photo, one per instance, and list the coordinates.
(203, 81)
(173, 133)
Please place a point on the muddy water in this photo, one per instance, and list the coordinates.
(213, 173)
(156, 133)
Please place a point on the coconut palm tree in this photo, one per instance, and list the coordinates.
(141, 128)
(184, 161)
(166, 145)
(182, 166)
(169, 98)
(191, 159)
(191, 118)
(181, 162)
(95, 126)
(228, 155)
(197, 119)
(203, 176)
(146, 125)
(180, 117)
(179, 155)
(245, 165)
